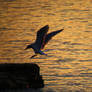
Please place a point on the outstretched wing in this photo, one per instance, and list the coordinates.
(41, 34)
(49, 36)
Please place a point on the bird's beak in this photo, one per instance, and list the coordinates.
(26, 48)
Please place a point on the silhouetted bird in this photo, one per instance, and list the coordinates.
(41, 40)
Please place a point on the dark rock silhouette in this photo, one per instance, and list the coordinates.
(19, 76)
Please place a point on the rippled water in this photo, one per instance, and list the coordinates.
(68, 66)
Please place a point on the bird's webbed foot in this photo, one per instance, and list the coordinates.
(33, 56)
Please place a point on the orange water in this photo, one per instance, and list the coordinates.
(68, 65)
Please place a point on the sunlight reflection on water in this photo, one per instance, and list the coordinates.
(68, 64)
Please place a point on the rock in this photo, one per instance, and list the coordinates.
(19, 76)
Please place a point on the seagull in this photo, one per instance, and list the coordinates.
(41, 40)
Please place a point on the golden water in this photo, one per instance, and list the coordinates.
(68, 65)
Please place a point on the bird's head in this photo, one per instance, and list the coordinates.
(28, 47)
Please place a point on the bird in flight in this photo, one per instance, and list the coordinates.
(41, 40)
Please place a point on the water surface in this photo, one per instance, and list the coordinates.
(68, 66)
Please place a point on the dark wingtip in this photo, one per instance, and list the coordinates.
(61, 29)
(46, 26)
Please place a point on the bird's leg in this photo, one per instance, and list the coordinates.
(33, 56)
(42, 53)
